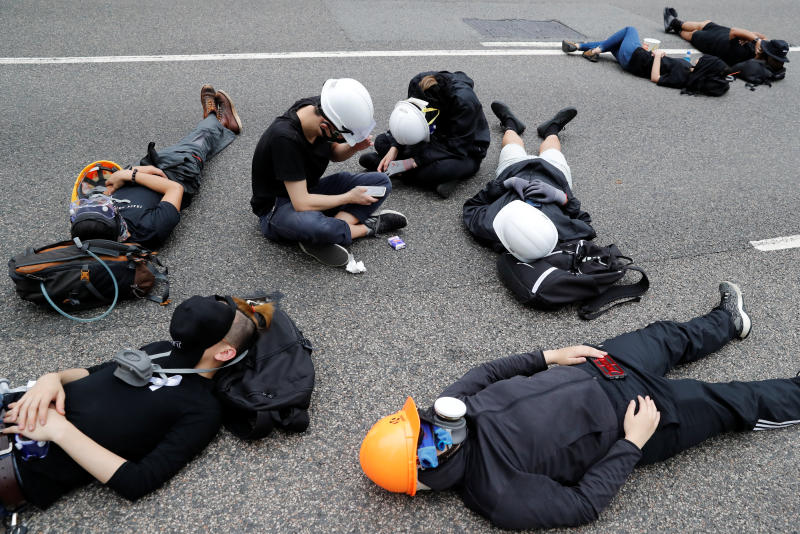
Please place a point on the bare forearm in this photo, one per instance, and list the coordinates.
(71, 375)
(342, 152)
(98, 461)
(655, 72)
(320, 202)
(746, 35)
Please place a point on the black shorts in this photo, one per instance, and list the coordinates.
(712, 39)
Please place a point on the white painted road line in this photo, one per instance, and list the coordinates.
(537, 48)
(777, 243)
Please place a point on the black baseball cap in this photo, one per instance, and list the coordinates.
(200, 322)
(776, 49)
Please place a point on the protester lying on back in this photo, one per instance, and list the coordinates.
(547, 438)
(529, 207)
(133, 439)
(143, 203)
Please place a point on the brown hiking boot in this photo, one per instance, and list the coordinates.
(207, 94)
(226, 113)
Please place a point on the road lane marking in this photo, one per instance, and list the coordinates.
(536, 48)
(777, 243)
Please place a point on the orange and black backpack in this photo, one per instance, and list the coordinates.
(75, 275)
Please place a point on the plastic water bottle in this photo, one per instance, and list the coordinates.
(688, 56)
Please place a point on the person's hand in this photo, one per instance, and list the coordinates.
(760, 35)
(36, 401)
(659, 53)
(545, 193)
(149, 169)
(388, 158)
(641, 426)
(361, 145)
(572, 355)
(358, 195)
(116, 180)
(50, 431)
(516, 184)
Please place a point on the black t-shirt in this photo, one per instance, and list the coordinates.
(715, 40)
(283, 154)
(150, 221)
(157, 432)
(673, 72)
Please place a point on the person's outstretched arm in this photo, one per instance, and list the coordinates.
(745, 35)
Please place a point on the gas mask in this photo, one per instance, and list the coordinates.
(443, 429)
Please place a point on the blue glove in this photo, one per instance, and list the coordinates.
(545, 193)
(517, 184)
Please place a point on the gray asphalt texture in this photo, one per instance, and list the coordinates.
(680, 183)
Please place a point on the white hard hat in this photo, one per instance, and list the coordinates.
(526, 232)
(347, 104)
(407, 122)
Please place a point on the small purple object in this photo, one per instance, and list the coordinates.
(396, 243)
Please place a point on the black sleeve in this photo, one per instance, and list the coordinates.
(537, 501)
(479, 377)
(464, 122)
(287, 160)
(156, 224)
(188, 436)
(474, 212)
(99, 366)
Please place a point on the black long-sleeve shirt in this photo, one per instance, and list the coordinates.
(544, 447)
(479, 211)
(157, 432)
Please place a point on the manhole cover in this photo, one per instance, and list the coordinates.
(524, 29)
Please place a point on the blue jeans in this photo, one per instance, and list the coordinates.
(284, 223)
(621, 44)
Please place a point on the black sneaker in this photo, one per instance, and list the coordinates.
(669, 15)
(569, 46)
(370, 161)
(328, 253)
(384, 222)
(446, 189)
(507, 119)
(731, 301)
(561, 119)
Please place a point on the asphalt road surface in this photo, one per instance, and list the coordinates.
(680, 183)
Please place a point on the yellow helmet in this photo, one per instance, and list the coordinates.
(92, 176)
(389, 451)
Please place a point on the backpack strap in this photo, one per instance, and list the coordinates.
(632, 292)
(85, 249)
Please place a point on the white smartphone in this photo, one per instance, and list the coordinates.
(395, 167)
(375, 190)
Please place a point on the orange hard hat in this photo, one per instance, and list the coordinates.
(93, 175)
(389, 451)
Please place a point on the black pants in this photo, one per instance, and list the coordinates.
(443, 169)
(692, 410)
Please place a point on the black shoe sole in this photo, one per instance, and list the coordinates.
(332, 254)
(561, 118)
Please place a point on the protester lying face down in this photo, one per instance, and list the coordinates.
(547, 438)
(437, 136)
(292, 199)
(138, 437)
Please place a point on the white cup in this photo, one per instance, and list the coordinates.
(651, 45)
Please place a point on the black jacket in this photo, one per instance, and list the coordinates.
(544, 447)
(461, 128)
(480, 210)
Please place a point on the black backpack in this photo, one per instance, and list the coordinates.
(756, 72)
(272, 385)
(70, 277)
(708, 77)
(575, 272)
